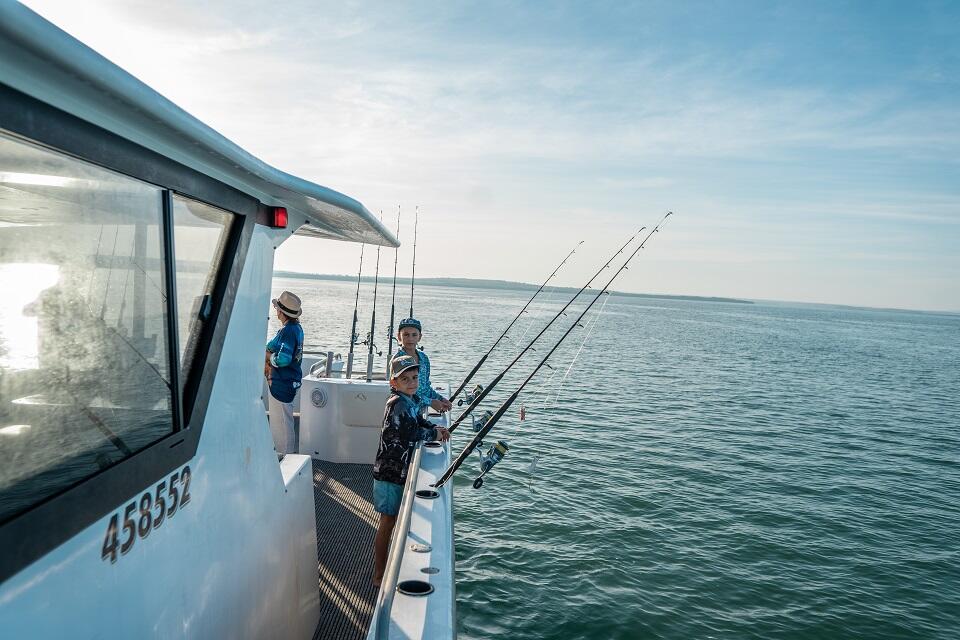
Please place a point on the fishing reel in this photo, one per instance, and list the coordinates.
(369, 341)
(489, 460)
(479, 422)
(470, 396)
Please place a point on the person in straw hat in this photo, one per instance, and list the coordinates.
(283, 372)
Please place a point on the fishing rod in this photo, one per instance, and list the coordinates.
(500, 448)
(482, 393)
(416, 219)
(393, 297)
(373, 314)
(353, 329)
(477, 366)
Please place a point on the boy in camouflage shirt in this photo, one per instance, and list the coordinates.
(403, 427)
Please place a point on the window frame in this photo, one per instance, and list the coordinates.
(51, 522)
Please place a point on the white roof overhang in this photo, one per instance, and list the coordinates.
(42, 61)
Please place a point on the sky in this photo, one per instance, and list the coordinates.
(810, 151)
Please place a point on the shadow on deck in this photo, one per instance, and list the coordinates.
(346, 525)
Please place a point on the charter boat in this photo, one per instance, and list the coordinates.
(140, 492)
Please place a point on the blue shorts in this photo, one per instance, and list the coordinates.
(386, 497)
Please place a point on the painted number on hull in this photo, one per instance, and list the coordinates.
(145, 514)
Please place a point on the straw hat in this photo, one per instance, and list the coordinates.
(288, 303)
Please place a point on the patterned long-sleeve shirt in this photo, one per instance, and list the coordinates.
(286, 353)
(425, 392)
(403, 427)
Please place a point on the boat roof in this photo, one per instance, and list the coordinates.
(39, 59)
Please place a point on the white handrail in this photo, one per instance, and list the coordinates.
(388, 588)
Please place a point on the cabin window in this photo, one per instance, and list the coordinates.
(84, 336)
(200, 234)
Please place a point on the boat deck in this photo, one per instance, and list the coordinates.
(346, 525)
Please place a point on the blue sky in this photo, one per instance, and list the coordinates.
(811, 151)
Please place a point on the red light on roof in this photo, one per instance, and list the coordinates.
(279, 218)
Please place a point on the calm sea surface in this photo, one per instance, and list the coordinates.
(706, 470)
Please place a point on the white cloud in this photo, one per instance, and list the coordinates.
(516, 138)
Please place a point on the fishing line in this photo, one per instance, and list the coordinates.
(545, 387)
(486, 390)
(126, 281)
(501, 447)
(126, 341)
(106, 289)
(93, 272)
(483, 359)
(590, 327)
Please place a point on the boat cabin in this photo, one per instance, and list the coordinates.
(140, 493)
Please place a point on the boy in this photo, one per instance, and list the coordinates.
(408, 335)
(403, 427)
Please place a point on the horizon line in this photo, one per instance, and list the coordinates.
(716, 298)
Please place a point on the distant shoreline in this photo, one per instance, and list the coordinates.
(496, 284)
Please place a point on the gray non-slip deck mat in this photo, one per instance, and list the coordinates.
(346, 525)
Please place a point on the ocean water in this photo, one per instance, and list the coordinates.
(705, 470)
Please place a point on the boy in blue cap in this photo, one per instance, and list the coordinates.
(408, 335)
(403, 427)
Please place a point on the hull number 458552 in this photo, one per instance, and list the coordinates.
(146, 513)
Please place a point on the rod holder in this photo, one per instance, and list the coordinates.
(326, 373)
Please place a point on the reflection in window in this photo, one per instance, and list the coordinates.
(84, 378)
(21, 284)
(200, 233)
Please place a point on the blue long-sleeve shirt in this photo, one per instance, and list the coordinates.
(425, 392)
(286, 352)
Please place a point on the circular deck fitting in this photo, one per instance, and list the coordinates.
(430, 570)
(420, 548)
(415, 588)
(432, 445)
(429, 494)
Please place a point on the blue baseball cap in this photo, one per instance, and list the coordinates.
(410, 322)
